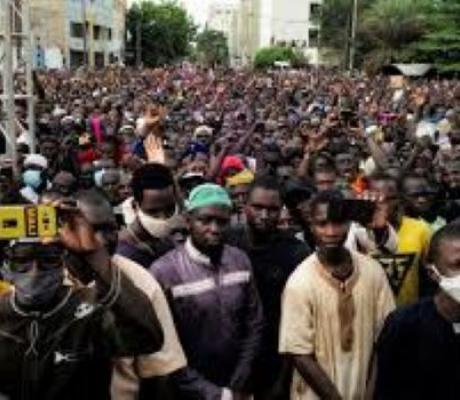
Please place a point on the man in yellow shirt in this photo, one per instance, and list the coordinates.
(405, 267)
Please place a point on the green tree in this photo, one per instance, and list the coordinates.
(391, 27)
(166, 31)
(441, 44)
(212, 47)
(267, 56)
(334, 19)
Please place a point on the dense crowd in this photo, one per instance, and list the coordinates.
(232, 234)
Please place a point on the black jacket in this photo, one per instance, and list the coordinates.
(66, 353)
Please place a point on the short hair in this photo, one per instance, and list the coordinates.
(46, 138)
(329, 169)
(265, 182)
(448, 232)
(382, 176)
(413, 175)
(93, 197)
(312, 162)
(335, 201)
(150, 176)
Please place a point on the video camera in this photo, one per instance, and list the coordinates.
(28, 222)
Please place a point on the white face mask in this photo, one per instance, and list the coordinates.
(450, 286)
(159, 228)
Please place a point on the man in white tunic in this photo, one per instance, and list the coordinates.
(334, 305)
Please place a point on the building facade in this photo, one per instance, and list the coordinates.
(71, 33)
(263, 23)
(221, 17)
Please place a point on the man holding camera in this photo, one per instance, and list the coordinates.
(57, 341)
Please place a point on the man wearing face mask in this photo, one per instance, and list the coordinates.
(418, 347)
(334, 304)
(155, 203)
(34, 178)
(58, 341)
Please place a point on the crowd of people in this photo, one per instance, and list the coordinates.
(232, 234)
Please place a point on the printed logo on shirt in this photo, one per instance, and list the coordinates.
(60, 358)
(83, 310)
(396, 267)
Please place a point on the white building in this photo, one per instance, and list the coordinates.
(292, 23)
(221, 17)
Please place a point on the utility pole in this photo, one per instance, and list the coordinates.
(9, 126)
(28, 64)
(354, 25)
(11, 10)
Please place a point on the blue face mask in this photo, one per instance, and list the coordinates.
(32, 178)
(34, 289)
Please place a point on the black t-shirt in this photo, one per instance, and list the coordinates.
(418, 355)
(272, 265)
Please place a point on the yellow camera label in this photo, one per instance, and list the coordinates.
(27, 222)
(12, 222)
(47, 221)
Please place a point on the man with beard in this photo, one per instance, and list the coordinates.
(274, 255)
(334, 304)
(216, 308)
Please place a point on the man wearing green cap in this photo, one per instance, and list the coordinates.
(212, 295)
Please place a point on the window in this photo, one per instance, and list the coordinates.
(76, 30)
(109, 33)
(97, 32)
(313, 37)
(76, 58)
(315, 11)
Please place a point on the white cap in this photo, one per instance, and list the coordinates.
(203, 130)
(36, 159)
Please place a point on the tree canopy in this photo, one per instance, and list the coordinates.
(395, 31)
(212, 47)
(266, 57)
(165, 28)
(441, 44)
(391, 27)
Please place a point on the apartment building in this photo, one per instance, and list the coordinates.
(71, 33)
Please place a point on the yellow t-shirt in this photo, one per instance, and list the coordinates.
(403, 268)
(4, 287)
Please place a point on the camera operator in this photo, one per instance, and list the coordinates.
(57, 341)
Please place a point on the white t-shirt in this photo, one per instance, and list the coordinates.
(127, 371)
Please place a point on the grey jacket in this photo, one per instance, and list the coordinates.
(218, 317)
